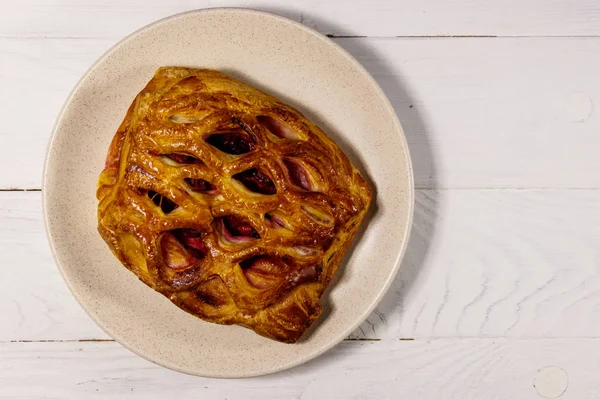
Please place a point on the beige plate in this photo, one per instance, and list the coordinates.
(286, 59)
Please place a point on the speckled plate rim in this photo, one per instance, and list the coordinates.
(404, 235)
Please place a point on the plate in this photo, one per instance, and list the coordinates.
(283, 58)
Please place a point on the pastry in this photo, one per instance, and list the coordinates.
(229, 202)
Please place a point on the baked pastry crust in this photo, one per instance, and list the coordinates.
(229, 202)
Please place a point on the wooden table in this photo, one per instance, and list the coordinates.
(499, 294)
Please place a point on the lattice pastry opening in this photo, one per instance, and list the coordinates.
(229, 202)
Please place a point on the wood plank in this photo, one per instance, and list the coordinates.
(95, 18)
(493, 113)
(36, 76)
(478, 113)
(420, 369)
(35, 303)
(510, 263)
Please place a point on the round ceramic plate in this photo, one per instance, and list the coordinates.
(283, 58)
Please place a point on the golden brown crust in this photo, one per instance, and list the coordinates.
(229, 202)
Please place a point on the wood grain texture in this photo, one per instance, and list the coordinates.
(113, 18)
(478, 113)
(488, 263)
(496, 285)
(510, 263)
(469, 369)
(35, 303)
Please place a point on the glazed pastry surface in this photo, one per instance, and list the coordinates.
(229, 202)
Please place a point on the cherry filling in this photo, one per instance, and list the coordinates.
(165, 204)
(183, 158)
(274, 221)
(231, 142)
(317, 215)
(263, 271)
(192, 241)
(298, 174)
(256, 181)
(305, 251)
(182, 248)
(237, 227)
(236, 230)
(276, 127)
(201, 186)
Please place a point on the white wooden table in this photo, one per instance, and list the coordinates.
(499, 294)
